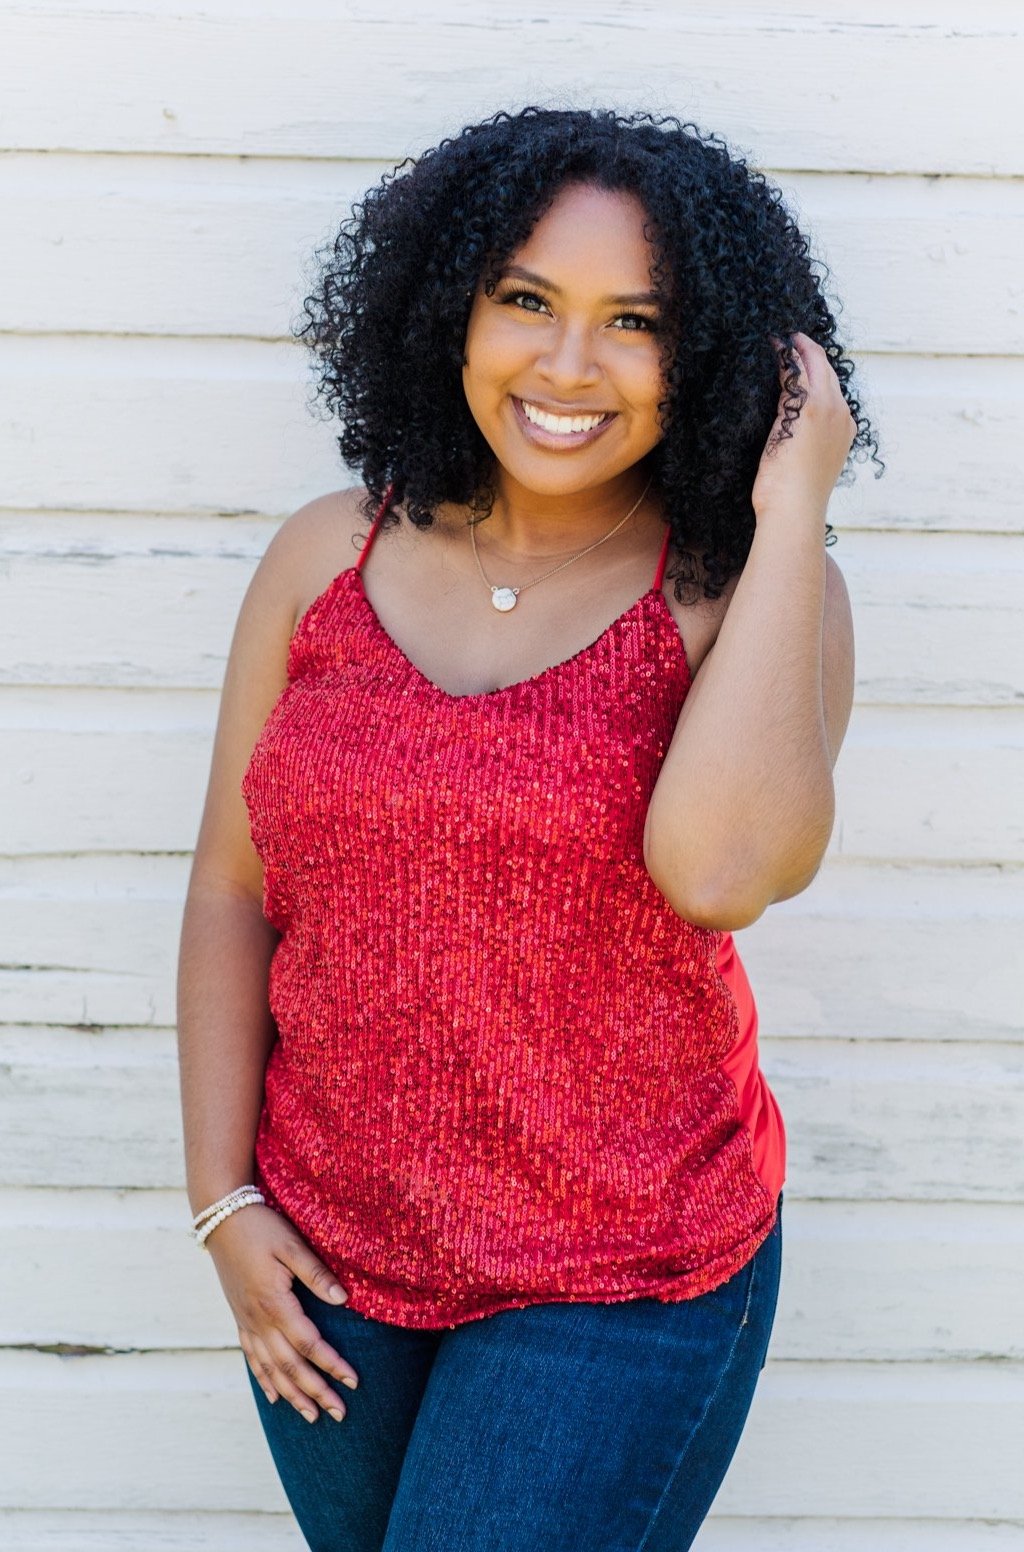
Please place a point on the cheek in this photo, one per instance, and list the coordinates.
(643, 382)
(495, 346)
(510, 361)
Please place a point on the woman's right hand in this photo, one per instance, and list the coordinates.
(258, 1253)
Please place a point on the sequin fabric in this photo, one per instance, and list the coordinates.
(507, 1072)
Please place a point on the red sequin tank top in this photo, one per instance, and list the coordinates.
(506, 1071)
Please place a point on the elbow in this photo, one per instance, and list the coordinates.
(726, 896)
(712, 901)
(723, 913)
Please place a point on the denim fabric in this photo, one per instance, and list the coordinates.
(565, 1427)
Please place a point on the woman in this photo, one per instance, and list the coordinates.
(474, 1119)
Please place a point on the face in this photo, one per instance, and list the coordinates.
(571, 331)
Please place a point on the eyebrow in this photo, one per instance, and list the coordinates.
(538, 280)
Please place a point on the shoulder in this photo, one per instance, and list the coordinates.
(837, 657)
(700, 622)
(333, 520)
(837, 595)
(256, 674)
(837, 619)
(319, 539)
(699, 619)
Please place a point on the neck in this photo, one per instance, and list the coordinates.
(530, 526)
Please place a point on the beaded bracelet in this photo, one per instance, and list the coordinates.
(208, 1212)
(203, 1234)
(244, 1196)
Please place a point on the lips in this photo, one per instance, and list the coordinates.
(564, 441)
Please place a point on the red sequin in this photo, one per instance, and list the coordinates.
(507, 1071)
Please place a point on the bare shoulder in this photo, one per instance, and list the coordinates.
(837, 657)
(837, 594)
(699, 620)
(837, 623)
(318, 540)
(316, 537)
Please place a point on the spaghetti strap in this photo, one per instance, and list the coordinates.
(659, 574)
(376, 524)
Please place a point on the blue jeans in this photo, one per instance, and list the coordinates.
(554, 1428)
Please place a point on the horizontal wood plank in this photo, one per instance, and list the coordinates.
(90, 940)
(898, 247)
(182, 1531)
(848, 1267)
(888, 1121)
(891, 953)
(223, 246)
(727, 1533)
(230, 427)
(945, 427)
(41, 1530)
(196, 82)
(923, 785)
(137, 600)
(936, 619)
(954, 1428)
(164, 425)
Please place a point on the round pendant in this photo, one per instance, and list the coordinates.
(503, 598)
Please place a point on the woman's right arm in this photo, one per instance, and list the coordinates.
(225, 1028)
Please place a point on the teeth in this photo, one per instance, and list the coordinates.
(561, 425)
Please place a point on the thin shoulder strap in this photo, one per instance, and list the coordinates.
(375, 525)
(659, 574)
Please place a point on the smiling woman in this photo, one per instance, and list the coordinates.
(484, 809)
(703, 266)
(553, 368)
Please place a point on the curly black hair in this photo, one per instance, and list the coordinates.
(386, 320)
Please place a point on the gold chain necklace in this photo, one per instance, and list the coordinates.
(505, 598)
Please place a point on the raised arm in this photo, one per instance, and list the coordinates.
(743, 807)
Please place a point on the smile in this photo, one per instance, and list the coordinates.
(559, 430)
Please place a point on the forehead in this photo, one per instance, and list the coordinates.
(590, 234)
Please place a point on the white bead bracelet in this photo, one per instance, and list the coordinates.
(204, 1223)
(239, 1191)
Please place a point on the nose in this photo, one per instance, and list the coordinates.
(569, 360)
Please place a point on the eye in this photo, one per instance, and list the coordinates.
(518, 295)
(649, 325)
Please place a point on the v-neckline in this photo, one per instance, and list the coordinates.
(520, 684)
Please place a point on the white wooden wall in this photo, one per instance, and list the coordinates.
(167, 171)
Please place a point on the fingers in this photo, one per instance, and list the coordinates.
(286, 1353)
(817, 369)
(289, 1357)
(799, 364)
(248, 1346)
(281, 1371)
(299, 1382)
(308, 1343)
(285, 1350)
(815, 372)
(824, 387)
(309, 1269)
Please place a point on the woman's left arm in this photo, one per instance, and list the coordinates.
(743, 807)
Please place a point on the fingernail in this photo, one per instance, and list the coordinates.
(349, 1381)
(309, 1416)
(338, 1295)
(336, 1414)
